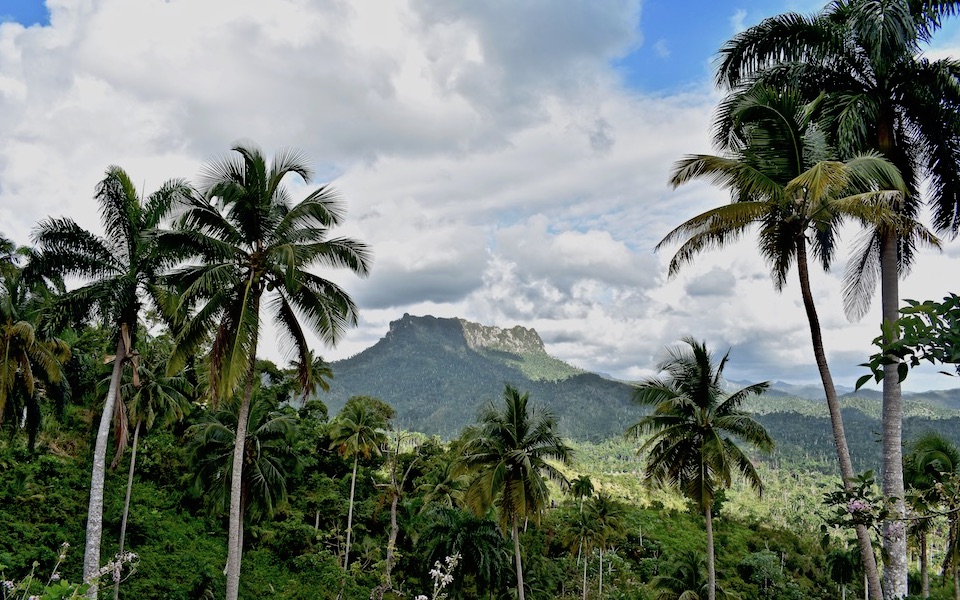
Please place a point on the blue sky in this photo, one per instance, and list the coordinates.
(25, 12)
(506, 160)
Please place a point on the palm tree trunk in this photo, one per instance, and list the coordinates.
(711, 567)
(836, 417)
(584, 572)
(91, 553)
(126, 503)
(392, 541)
(235, 535)
(517, 560)
(600, 587)
(924, 567)
(894, 528)
(353, 485)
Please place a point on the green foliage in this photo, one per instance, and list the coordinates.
(927, 331)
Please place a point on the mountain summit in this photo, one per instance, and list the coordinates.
(438, 372)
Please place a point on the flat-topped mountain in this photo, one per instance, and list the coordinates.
(438, 372)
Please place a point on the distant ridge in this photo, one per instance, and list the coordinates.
(438, 372)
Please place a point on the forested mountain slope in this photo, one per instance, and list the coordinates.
(438, 372)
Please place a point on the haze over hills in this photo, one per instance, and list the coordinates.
(438, 372)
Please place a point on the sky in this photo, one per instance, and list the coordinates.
(506, 160)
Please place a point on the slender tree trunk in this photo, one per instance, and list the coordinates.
(235, 536)
(924, 567)
(126, 502)
(894, 528)
(584, 572)
(91, 553)
(600, 587)
(517, 560)
(847, 473)
(711, 567)
(353, 485)
(392, 541)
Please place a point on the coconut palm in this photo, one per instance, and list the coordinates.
(120, 272)
(695, 430)
(930, 462)
(253, 249)
(881, 94)
(358, 430)
(159, 396)
(508, 453)
(779, 180)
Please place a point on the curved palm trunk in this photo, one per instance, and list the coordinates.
(353, 487)
(517, 561)
(91, 553)
(235, 535)
(126, 503)
(711, 567)
(894, 529)
(867, 556)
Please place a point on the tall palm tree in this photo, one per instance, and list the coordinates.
(929, 463)
(358, 430)
(775, 169)
(881, 94)
(695, 430)
(159, 396)
(120, 271)
(253, 250)
(509, 453)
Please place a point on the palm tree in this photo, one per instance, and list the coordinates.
(929, 463)
(607, 516)
(508, 453)
(582, 535)
(316, 374)
(268, 455)
(484, 554)
(779, 181)
(159, 395)
(687, 579)
(32, 359)
(119, 269)
(842, 567)
(358, 430)
(581, 488)
(882, 95)
(253, 250)
(695, 429)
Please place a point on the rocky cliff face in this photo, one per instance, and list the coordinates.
(516, 340)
